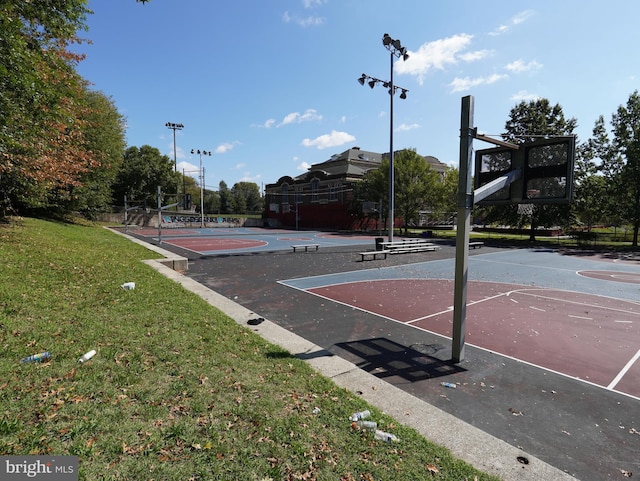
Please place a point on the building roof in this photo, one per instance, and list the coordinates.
(353, 163)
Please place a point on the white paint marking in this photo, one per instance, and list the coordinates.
(624, 370)
(581, 317)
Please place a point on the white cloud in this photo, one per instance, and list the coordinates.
(303, 166)
(269, 123)
(189, 169)
(247, 177)
(515, 20)
(477, 55)
(313, 3)
(523, 95)
(329, 140)
(297, 118)
(309, 21)
(462, 84)
(521, 17)
(438, 55)
(239, 166)
(519, 66)
(226, 147)
(407, 127)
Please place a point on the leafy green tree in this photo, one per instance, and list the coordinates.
(246, 198)
(591, 196)
(414, 186)
(622, 168)
(143, 170)
(445, 202)
(104, 138)
(225, 198)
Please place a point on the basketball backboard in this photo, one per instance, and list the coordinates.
(546, 172)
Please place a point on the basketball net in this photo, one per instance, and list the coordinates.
(527, 209)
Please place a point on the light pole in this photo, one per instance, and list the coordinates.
(396, 50)
(174, 127)
(201, 153)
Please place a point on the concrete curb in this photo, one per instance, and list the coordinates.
(483, 451)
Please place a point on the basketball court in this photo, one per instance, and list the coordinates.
(553, 335)
(236, 240)
(565, 314)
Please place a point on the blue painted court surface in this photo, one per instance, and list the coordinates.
(212, 241)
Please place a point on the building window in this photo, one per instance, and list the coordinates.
(315, 187)
(333, 192)
(285, 194)
(298, 196)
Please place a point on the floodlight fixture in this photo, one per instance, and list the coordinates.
(173, 126)
(397, 50)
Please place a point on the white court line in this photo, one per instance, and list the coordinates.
(624, 370)
(581, 317)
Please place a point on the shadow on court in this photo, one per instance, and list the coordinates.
(385, 359)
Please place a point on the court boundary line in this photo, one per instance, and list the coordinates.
(492, 351)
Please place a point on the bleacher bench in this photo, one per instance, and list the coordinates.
(306, 247)
(373, 254)
(476, 245)
(417, 248)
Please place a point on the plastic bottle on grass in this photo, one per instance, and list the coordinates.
(43, 356)
(386, 437)
(365, 425)
(85, 357)
(360, 415)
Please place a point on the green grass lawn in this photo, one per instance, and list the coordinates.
(177, 390)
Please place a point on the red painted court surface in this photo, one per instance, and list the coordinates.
(212, 241)
(575, 326)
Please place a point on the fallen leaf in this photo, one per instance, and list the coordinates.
(432, 468)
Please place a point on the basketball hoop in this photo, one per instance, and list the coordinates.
(527, 209)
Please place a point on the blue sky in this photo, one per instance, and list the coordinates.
(270, 86)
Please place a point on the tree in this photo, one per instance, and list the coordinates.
(225, 198)
(622, 168)
(104, 138)
(41, 145)
(246, 198)
(143, 170)
(446, 194)
(414, 185)
(530, 121)
(591, 199)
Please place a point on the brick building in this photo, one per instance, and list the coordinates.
(323, 197)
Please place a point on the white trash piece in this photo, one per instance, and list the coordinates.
(85, 357)
(386, 437)
(128, 286)
(360, 415)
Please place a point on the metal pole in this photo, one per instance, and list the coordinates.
(465, 204)
(201, 194)
(391, 166)
(175, 155)
(159, 215)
